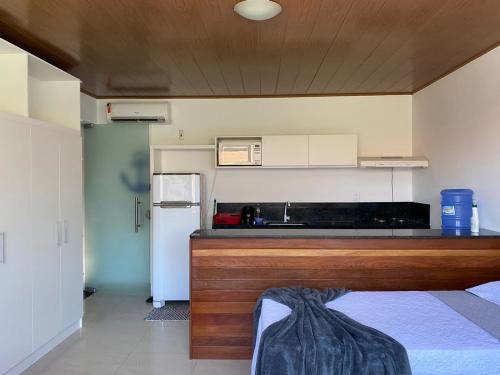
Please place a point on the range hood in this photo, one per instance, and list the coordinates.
(393, 162)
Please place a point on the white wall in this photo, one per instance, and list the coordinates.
(456, 124)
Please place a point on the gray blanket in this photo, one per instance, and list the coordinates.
(315, 340)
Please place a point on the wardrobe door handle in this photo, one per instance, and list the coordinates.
(2, 247)
(66, 231)
(58, 233)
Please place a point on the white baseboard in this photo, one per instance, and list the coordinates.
(40, 352)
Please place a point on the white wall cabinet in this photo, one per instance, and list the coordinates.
(33, 88)
(71, 218)
(45, 221)
(285, 151)
(41, 278)
(15, 245)
(339, 150)
(305, 151)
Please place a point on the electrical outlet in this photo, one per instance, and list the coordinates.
(181, 135)
(357, 196)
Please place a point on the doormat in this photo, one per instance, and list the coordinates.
(171, 311)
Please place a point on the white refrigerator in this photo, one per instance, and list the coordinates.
(176, 214)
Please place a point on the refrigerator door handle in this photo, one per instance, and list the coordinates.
(176, 204)
(65, 231)
(137, 225)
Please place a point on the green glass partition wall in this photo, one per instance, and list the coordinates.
(116, 159)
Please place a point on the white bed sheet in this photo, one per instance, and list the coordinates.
(438, 340)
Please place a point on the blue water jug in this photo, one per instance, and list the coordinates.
(456, 208)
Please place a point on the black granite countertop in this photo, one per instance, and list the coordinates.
(332, 225)
(340, 233)
(331, 215)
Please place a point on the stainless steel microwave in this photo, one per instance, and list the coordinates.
(239, 151)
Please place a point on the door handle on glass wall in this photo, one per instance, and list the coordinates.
(2, 247)
(66, 231)
(136, 214)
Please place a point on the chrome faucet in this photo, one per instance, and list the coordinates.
(286, 218)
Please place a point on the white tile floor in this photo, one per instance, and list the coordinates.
(116, 340)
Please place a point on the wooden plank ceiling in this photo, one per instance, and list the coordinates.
(170, 48)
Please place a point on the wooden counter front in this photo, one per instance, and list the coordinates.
(228, 275)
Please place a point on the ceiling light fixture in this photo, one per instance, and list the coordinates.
(257, 10)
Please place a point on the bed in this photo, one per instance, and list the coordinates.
(444, 333)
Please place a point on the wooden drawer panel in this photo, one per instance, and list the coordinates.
(223, 319)
(346, 243)
(198, 328)
(199, 273)
(353, 284)
(221, 352)
(222, 341)
(368, 262)
(224, 295)
(221, 307)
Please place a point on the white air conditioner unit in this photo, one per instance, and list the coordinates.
(393, 162)
(149, 112)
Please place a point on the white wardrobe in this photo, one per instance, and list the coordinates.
(41, 238)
